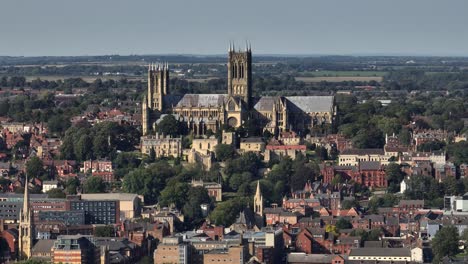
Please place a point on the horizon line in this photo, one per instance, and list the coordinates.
(376, 54)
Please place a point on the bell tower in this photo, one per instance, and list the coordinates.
(240, 73)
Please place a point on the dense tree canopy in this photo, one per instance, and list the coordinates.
(445, 243)
(149, 181)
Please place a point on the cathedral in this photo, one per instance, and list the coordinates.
(203, 112)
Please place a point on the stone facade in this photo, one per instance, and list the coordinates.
(164, 146)
(203, 112)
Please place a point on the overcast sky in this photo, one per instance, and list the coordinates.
(93, 27)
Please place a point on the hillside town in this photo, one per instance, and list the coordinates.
(233, 178)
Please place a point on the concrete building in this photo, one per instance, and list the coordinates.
(129, 204)
(76, 249)
(172, 250)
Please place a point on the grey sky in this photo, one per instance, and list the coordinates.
(89, 27)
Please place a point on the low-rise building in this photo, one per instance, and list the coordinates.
(164, 146)
(76, 249)
(172, 250)
(352, 157)
(252, 144)
(49, 185)
(214, 189)
(279, 151)
(390, 255)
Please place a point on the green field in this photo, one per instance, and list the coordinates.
(344, 74)
(340, 76)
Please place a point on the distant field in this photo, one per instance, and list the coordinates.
(202, 80)
(341, 76)
(85, 78)
(344, 74)
(340, 79)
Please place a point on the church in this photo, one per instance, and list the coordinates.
(203, 112)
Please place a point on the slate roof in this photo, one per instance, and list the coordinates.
(310, 104)
(369, 165)
(43, 246)
(199, 100)
(411, 202)
(252, 140)
(265, 103)
(297, 257)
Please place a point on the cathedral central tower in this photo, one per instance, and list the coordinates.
(240, 74)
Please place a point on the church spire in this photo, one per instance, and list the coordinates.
(25, 226)
(26, 197)
(258, 200)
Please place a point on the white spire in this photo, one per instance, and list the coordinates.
(246, 46)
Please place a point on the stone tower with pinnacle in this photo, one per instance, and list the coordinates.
(25, 226)
(258, 200)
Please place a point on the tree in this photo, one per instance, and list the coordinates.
(369, 137)
(303, 172)
(56, 193)
(169, 126)
(445, 243)
(404, 136)
(237, 179)
(58, 124)
(224, 152)
(152, 155)
(104, 231)
(343, 223)
(35, 167)
(394, 177)
(464, 237)
(226, 212)
(337, 179)
(348, 204)
(94, 184)
(192, 210)
(101, 146)
(174, 193)
(71, 185)
(149, 181)
(84, 148)
(331, 229)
